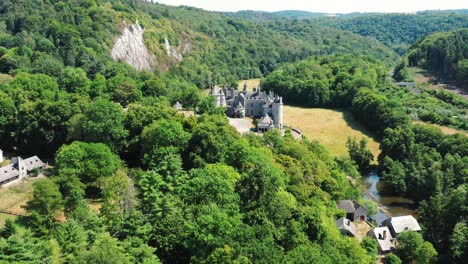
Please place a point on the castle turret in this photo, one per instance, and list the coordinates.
(277, 112)
(222, 99)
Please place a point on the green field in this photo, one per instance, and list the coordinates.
(330, 127)
(13, 199)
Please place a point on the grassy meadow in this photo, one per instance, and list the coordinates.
(330, 127)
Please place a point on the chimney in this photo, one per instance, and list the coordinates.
(385, 234)
(348, 222)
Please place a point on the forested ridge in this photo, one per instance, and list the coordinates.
(400, 31)
(444, 53)
(135, 181)
(416, 161)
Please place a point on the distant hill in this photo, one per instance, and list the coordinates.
(400, 31)
(199, 46)
(444, 53)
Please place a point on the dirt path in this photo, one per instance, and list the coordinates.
(424, 77)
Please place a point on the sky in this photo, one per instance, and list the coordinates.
(324, 6)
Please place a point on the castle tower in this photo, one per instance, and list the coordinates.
(222, 99)
(277, 112)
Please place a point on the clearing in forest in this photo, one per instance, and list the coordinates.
(428, 81)
(446, 130)
(330, 127)
(251, 83)
(13, 198)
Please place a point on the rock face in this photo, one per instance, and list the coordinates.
(171, 51)
(131, 48)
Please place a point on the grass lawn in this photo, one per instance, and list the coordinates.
(330, 127)
(250, 84)
(446, 130)
(13, 198)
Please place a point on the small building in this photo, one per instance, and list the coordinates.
(19, 169)
(346, 227)
(354, 210)
(178, 106)
(265, 123)
(399, 224)
(384, 238)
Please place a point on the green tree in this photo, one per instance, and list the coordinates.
(74, 80)
(44, 206)
(106, 250)
(89, 162)
(408, 244)
(360, 153)
(458, 239)
(426, 254)
(392, 259)
(101, 121)
(164, 133)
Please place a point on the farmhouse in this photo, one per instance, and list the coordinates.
(398, 224)
(354, 210)
(266, 106)
(346, 227)
(19, 169)
(384, 239)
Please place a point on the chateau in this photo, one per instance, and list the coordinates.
(266, 106)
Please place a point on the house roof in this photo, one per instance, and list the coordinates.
(384, 244)
(348, 205)
(8, 172)
(177, 104)
(403, 223)
(33, 163)
(346, 224)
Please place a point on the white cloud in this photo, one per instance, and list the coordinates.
(326, 6)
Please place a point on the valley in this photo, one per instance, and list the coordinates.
(152, 161)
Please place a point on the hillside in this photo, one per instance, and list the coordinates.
(399, 31)
(214, 48)
(444, 53)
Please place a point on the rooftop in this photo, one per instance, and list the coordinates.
(384, 238)
(346, 224)
(402, 223)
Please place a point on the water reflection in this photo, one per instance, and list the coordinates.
(388, 205)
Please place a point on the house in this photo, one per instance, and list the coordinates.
(384, 238)
(178, 106)
(353, 209)
(19, 169)
(346, 227)
(399, 224)
(256, 104)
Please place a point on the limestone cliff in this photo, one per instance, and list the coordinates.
(171, 51)
(130, 48)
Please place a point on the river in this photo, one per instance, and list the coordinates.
(388, 205)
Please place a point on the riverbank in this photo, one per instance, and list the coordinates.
(388, 206)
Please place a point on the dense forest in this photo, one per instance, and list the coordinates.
(132, 180)
(444, 53)
(399, 31)
(416, 161)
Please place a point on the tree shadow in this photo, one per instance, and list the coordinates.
(354, 124)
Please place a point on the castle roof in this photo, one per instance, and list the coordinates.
(265, 121)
